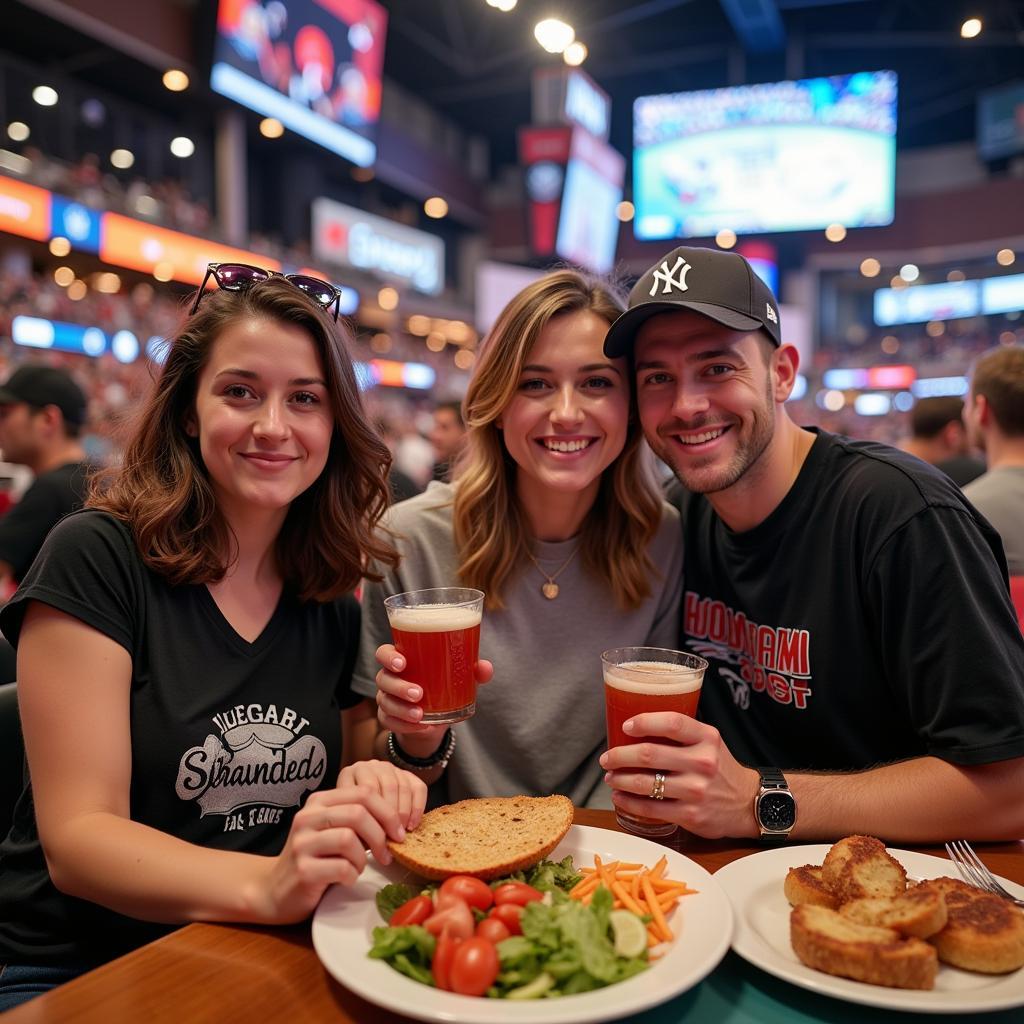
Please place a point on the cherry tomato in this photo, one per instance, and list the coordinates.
(474, 967)
(446, 899)
(516, 892)
(476, 893)
(455, 917)
(414, 911)
(493, 930)
(441, 965)
(509, 914)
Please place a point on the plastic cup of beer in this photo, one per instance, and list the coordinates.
(438, 633)
(642, 679)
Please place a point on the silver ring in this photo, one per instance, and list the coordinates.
(658, 787)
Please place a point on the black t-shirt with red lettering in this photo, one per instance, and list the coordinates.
(866, 620)
(228, 737)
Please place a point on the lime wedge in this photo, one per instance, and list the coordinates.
(630, 933)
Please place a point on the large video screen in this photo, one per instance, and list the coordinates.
(588, 227)
(785, 156)
(315, 65)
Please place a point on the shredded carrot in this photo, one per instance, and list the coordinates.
(655, 909)
(644, 891)
(667, 884)
(627, 901)
(581, 888)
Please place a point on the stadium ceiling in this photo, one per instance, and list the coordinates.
(473, 62)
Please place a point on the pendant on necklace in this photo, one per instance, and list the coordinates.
(550, 590)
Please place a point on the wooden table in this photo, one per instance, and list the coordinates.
(226, 973)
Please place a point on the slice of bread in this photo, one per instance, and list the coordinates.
(489, 837)
(918, 912)
(983, 932)
(827, 941)
(860, 866)
(806, 885)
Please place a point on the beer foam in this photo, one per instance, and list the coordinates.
(662, 677)
(433, 618)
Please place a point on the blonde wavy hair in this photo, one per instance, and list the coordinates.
(492, 539)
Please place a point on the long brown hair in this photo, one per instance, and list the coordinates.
(162, 489)
(491, 535)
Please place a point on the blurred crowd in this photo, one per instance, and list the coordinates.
(166, 202)
(406, 417)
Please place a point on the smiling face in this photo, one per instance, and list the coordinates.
(262, 416)
(568, 419)
(706, 396)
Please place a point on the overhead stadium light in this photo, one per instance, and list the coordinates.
(575, 54)
(45, 96)
(554, 35)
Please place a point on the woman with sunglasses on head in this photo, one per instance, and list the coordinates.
(185, 647)
(555, 514)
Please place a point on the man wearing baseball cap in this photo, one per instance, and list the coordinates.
(866, 668)
(42, 411)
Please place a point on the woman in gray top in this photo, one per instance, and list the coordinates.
(556, 515)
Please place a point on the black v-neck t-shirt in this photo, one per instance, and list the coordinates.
(228, 737)
(866, 620)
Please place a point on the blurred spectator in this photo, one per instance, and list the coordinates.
(414, 455)
(42, 411)
(938, 436)
(448, 436)
(402, 485)
(995, 422)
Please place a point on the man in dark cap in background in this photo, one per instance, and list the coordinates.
(866, 669)
(42, 411)
(939, 436)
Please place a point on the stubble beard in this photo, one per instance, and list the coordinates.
(703, 479)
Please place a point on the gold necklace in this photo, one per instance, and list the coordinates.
(550, 588)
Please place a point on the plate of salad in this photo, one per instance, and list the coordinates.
(532, 952)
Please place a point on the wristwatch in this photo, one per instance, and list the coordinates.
(774, 805)
(439, 759)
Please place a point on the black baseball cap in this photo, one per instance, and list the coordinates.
(45, 385)
(720, 285)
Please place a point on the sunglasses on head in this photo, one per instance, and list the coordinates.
(237, 277)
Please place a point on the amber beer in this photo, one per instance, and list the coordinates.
(642, 679)
(438, 633)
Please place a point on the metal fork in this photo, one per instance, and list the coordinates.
(973, 872)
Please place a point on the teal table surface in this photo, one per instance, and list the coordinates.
(739, 993)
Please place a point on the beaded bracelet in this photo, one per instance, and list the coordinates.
(438, 759)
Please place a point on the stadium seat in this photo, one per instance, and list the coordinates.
(1017, 595)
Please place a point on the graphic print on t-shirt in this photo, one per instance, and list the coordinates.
(260, 761)
(772, 660)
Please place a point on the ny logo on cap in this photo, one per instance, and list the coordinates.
(669, 278)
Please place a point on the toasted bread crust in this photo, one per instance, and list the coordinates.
(917, 912)
(487, 838)
(983, 933)
(860, 866)
(827, 941)
(806, 885)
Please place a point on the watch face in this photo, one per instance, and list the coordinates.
(777, 811)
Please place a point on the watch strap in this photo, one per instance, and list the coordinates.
(772, 778)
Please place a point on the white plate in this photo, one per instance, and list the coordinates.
(344, 922)
(754, 885)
